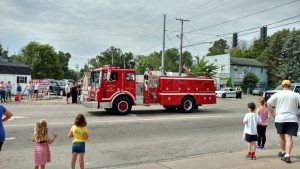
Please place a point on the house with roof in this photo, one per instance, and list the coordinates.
(236, 69)
(15, 73)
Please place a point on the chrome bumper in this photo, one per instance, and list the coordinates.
(91, 105)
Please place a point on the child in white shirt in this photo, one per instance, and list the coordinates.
(251, 120)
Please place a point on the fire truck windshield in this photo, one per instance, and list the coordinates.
(95, 78)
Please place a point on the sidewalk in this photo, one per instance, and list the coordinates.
(266, 159)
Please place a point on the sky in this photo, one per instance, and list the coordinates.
(86, 28)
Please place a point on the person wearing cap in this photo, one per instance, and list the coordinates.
(286, 115)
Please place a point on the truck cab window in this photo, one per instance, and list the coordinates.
(95, 77)
(130, 76)
(114, 76)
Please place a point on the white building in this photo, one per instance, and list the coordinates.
(15, 73)
(237, 69)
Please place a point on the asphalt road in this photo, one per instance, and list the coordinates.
(149, 134)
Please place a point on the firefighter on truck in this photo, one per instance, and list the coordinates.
(117, 90)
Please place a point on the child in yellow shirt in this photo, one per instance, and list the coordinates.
(79, 133)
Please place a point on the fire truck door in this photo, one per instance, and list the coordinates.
(110, 85)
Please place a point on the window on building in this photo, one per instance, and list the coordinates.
(21, 79)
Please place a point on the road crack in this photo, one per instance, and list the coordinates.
(163, 165)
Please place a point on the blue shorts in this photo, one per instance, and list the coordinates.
(250, 138)
(78, 147)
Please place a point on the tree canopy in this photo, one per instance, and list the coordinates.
(219, 47)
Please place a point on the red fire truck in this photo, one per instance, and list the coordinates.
(116, 90)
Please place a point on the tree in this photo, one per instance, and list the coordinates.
(272, 54)
(3, 53)
(219, 47)
(236, 52)
(64, 62)
(152, 61)
(42, 60)
(229, 82)
(289, 65)
(255, 50)
(203, 67)
(250, 81)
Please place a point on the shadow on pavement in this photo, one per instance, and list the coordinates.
(160, 112)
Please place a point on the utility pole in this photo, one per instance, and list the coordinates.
(163, 48)
(181, 40)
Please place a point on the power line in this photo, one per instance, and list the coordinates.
(245, 16)
(249, 29)
(191, 44)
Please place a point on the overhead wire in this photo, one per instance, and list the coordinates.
(244, 16)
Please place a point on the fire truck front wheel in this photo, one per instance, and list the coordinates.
(187, 105)
(122, 105)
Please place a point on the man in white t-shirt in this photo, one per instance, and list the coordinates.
(68, 92)
(286, 115)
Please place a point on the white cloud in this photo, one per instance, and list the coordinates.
(86, 27)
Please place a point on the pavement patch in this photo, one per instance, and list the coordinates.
(10, 138)
(196, 117)
(18, 117)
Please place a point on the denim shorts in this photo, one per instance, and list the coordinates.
(78, 147)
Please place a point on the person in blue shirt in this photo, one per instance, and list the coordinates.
(19, 89)
(5, 115)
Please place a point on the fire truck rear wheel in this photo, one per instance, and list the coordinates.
(187, 105)
(122, 105)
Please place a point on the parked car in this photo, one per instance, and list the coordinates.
(58, 87)
(258, 91)
(294, 87)
(226, 92)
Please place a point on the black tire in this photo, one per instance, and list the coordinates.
(170, 108)
(122, 105)
(187, 105)
(223, 95)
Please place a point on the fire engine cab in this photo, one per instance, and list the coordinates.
(117, 90)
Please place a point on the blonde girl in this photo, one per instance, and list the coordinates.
(79, 133)
(42, 140)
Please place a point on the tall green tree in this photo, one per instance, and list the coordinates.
(272, 54)
(219, 47)
(42, 60)
(255, 50)
(289, 63)
(250, 81)
(203, 68)
(236, 52)
(64, 59)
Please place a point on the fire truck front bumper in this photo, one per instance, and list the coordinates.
(91, 104)
(96, 105)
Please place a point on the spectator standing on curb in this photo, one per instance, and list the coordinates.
(286, 115)
(68, 92)
(248, 91)
(42, 140)
(7, 115)
(36, 90)
(250, 121)
(2, 92)
(239, 92)
(19, 89)
(262, 112)
(79, 133)
(30, 90)
(74, 93)
(8, 88)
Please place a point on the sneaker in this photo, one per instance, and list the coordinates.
(263, 148)
(258, 147)
(254, 157)
(280, 154)
(248, 157)
(288, 159)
